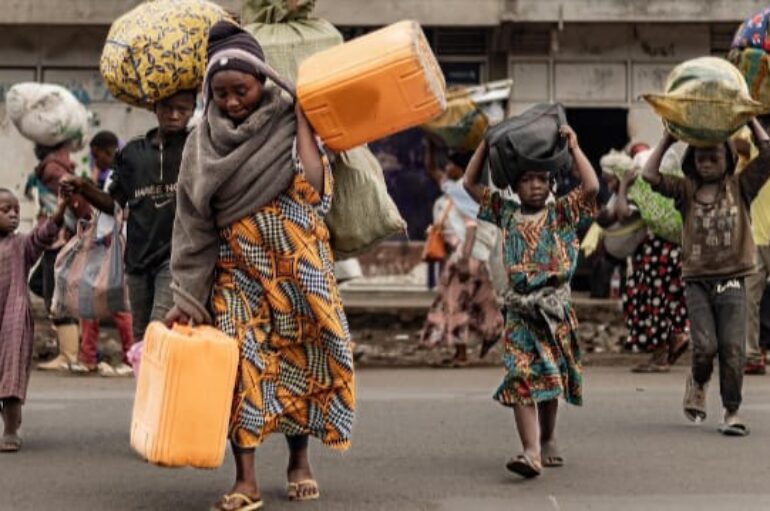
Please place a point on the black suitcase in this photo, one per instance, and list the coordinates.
(529, 141)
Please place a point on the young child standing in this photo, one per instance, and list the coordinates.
(104, 146)
(541, 245)
(718, 253)
(18, 253)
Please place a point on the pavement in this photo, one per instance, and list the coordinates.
(425, 439)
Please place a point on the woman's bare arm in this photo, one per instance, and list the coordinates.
(472, 181)
(307, 151)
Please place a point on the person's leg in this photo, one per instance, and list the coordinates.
(140, 297)
(302, 485)
(546, 413)
(764, 321)
(461, 352)
(49, 281)
(702, 330)
(11, 413)
(528, 427)
(163, 298)
(755, 287)
(67, 332)
(704, 340)
(89, 331)
(764, 314)
(245, 480)
(124, 325)
(730, 313)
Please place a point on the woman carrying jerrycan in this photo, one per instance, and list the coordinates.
(251, 255)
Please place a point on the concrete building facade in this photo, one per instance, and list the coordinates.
(595, 56)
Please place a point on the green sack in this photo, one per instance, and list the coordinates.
(287, 44)
(362, 213)
(706, 101)
(275, 11)
(658, 212)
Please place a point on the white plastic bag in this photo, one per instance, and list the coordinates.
(47, 114)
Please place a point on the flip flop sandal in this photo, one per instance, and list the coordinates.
(552, 458)
(10, 443)
(736, 428)
(237, 502)
(295, 491)
(523, 466)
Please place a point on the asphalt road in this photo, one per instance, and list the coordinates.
(425, 440)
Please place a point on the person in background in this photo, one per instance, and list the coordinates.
(144, 182)
(756, 357)
(542, 356)
(465, 305)
(54, 167)
(719, 253)
(653, 300)
(18, 253)
(607, 267)
(104, 146)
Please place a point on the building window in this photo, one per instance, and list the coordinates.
(462, 72)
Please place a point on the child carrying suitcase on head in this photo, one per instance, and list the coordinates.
(718, 254)
(542, 358)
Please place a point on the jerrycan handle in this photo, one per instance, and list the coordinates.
(184, 329)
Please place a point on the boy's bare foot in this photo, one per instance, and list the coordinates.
(694, 404)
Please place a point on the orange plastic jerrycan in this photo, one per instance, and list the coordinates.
(378, 84)
(184, 395)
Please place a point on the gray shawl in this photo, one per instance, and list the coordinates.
(227, 172)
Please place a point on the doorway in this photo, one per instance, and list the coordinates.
(598, 131)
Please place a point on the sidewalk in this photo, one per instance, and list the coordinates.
(386, 316)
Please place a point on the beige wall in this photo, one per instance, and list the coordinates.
(429, 12)
(68, 56)
(341, 12)
(608, 65)
(616, 11)
(80, 12)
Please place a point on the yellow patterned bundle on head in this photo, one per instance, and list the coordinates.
(158, 49)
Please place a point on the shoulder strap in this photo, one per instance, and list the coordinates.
(445, 214)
